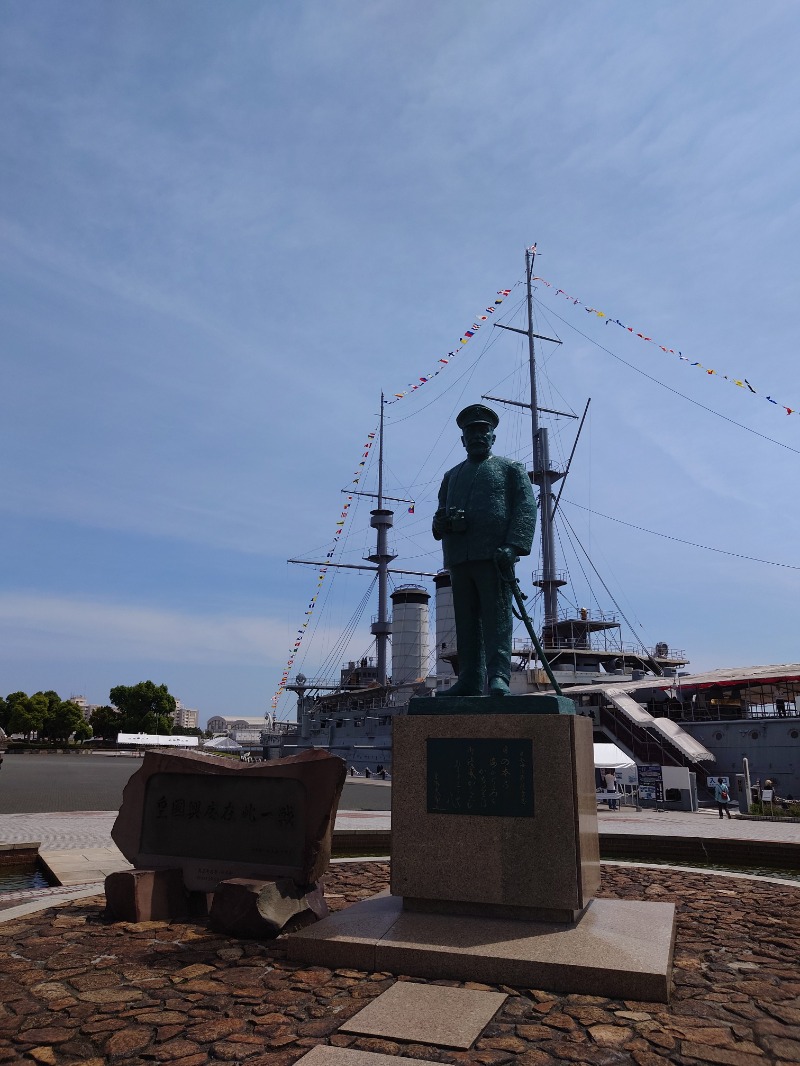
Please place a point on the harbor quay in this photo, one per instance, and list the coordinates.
(80, 989)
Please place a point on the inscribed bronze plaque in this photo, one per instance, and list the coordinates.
(478, 776)
(226, 817)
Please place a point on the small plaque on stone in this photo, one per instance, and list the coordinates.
(480, 776)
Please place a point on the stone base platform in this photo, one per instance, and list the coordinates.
(620, 948)
(529, 704)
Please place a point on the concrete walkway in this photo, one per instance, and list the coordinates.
(92, 829)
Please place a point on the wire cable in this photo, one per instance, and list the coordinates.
(669, 388)
(605, 586)
(680, 540)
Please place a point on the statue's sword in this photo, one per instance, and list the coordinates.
(519, 597)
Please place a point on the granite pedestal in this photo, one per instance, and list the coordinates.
(495, 862)
(494, 814)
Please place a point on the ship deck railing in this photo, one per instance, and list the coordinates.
(690, 712)
(597, 645)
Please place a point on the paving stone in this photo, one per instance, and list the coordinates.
(53, 1035)
(174, 1049)
(429, 1014)
(127, 1042)
(45, 1055)
(353, 1057)
(783, 1047)
(611, 1035)
(207, 1032)
(111, 995)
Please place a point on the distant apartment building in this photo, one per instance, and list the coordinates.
(86, 707)
(185, 717)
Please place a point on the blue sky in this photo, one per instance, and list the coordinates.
(226, 227)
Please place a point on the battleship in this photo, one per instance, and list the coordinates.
(640, 698)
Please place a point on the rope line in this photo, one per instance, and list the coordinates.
(669, 388)
(680, 540)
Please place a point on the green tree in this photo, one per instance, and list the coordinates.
(145, 708)
(46, 703)
(5, 713)
(26, 715)
(105, 722)
(83, 731)
(65, 719)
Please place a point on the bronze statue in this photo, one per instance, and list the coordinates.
(486, 520)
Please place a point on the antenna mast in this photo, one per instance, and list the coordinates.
(544, 474)
(382, 521)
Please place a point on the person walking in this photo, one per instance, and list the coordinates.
(721, 797)
(611, 786)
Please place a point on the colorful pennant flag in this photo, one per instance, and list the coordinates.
(741, 383)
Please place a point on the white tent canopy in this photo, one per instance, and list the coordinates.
(610, 757)
(223, 744)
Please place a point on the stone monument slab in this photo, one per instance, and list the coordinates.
(216, 819)
(495, 814)
(427, 1014)
(324, 1055)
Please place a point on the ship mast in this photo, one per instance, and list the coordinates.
(382, 521)
(543, 474)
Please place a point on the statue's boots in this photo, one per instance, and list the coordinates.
(461, 688)
(498, 686)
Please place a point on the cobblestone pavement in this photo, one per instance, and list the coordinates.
(75, 989)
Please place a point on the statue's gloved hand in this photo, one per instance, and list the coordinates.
(505, 557)
(438, 524)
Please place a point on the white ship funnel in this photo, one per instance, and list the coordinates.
(446, 646)
(409, 633)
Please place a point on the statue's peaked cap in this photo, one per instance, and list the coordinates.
(477, 412)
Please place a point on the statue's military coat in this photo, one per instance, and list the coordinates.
(499, 506)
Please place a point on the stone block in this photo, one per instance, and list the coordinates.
(146, 896)
(263, 909)
(495, 814)
(427, 1014)
(322, 1055)
(216, 819)
(620, 948)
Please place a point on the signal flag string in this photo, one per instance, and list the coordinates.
(741, 383)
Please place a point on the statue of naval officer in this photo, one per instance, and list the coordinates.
(486, 520)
